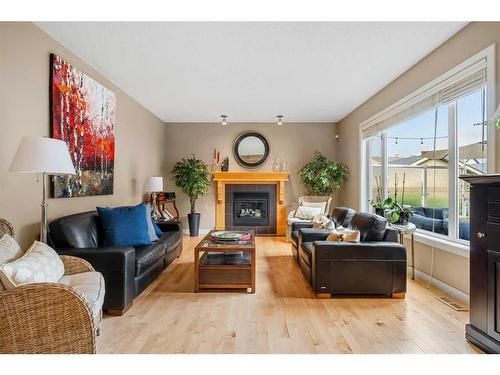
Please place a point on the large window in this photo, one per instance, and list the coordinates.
(427, 146)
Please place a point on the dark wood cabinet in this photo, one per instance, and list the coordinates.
(484, 327)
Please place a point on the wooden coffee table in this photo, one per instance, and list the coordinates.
(224, 265)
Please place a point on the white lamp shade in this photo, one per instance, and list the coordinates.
(153, 184)
(42, 155)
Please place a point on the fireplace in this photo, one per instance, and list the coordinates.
(251, 209)
(251, 206)
(273, 183)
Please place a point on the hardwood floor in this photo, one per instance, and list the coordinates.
(281, 317)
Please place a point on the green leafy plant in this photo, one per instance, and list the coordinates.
(380, 206)
(398, 212)
(193, 177)
(323, 177)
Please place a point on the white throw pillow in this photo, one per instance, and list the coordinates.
(315, 204)
(9, 251)
(307, 213)
(40, 264)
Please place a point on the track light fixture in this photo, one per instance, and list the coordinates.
(224, 119)
(280, 120)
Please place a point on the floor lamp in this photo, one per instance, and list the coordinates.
(45, 156)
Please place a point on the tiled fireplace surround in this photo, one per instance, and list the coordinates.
(251, 188)
(249, 181)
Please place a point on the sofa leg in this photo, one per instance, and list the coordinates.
(323, 295)
(118, 312)
(398, 295)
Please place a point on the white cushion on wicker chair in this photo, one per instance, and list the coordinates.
(40, 264)
(91, 286)
(9, 251)
(307, 213)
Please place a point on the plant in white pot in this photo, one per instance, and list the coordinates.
(193, 177)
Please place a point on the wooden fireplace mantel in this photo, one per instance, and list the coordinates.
(223, 178)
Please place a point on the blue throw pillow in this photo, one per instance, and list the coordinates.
(157, 229)
(124, 226)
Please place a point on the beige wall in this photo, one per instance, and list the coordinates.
(24, 110)
(451, 269)
(294, 142)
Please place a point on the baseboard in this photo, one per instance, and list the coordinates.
(451, 291)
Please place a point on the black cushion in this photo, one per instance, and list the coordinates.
(371, 227)
(146, 256)
(342, 216)
(171, 239)
(75, 231)
(306, 252)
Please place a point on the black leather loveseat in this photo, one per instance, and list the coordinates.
(375, 265)
(127, 271)
(341, 216)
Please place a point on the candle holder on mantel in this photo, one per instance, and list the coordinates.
(216, 162)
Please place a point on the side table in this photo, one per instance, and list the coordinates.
(410, 229)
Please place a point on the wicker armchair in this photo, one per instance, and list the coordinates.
(6, 228)
(48, 317)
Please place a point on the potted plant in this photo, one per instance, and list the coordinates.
(378, 205)
(395, 212)
(322, 176)
(381, 206)
(192, 176)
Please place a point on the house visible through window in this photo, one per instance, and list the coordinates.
(428, 147)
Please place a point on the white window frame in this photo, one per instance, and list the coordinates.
(440, 241)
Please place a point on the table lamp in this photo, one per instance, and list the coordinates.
(153, 185)
(46, 156)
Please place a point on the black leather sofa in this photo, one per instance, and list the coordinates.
(341, 216)
(127, 270)
(375, 265)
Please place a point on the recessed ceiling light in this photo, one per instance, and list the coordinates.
(280, 120)
(224, 119)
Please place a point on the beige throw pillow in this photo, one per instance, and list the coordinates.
(334, 236)
(9, 251)
(307, 213)
(344, 235)
(40, 264)
(321, 221)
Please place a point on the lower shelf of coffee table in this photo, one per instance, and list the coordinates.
(217, 271)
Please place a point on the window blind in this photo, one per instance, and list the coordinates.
(460, 84)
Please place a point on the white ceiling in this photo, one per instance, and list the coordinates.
(251, 71)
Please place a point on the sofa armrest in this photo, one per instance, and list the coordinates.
(298, 225)
(347, 251)
(117, 266)
(170, 227)
(391, 235)
(313, 234)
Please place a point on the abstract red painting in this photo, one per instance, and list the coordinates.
(82, 115)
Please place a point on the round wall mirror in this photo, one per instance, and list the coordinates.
(251, 149)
